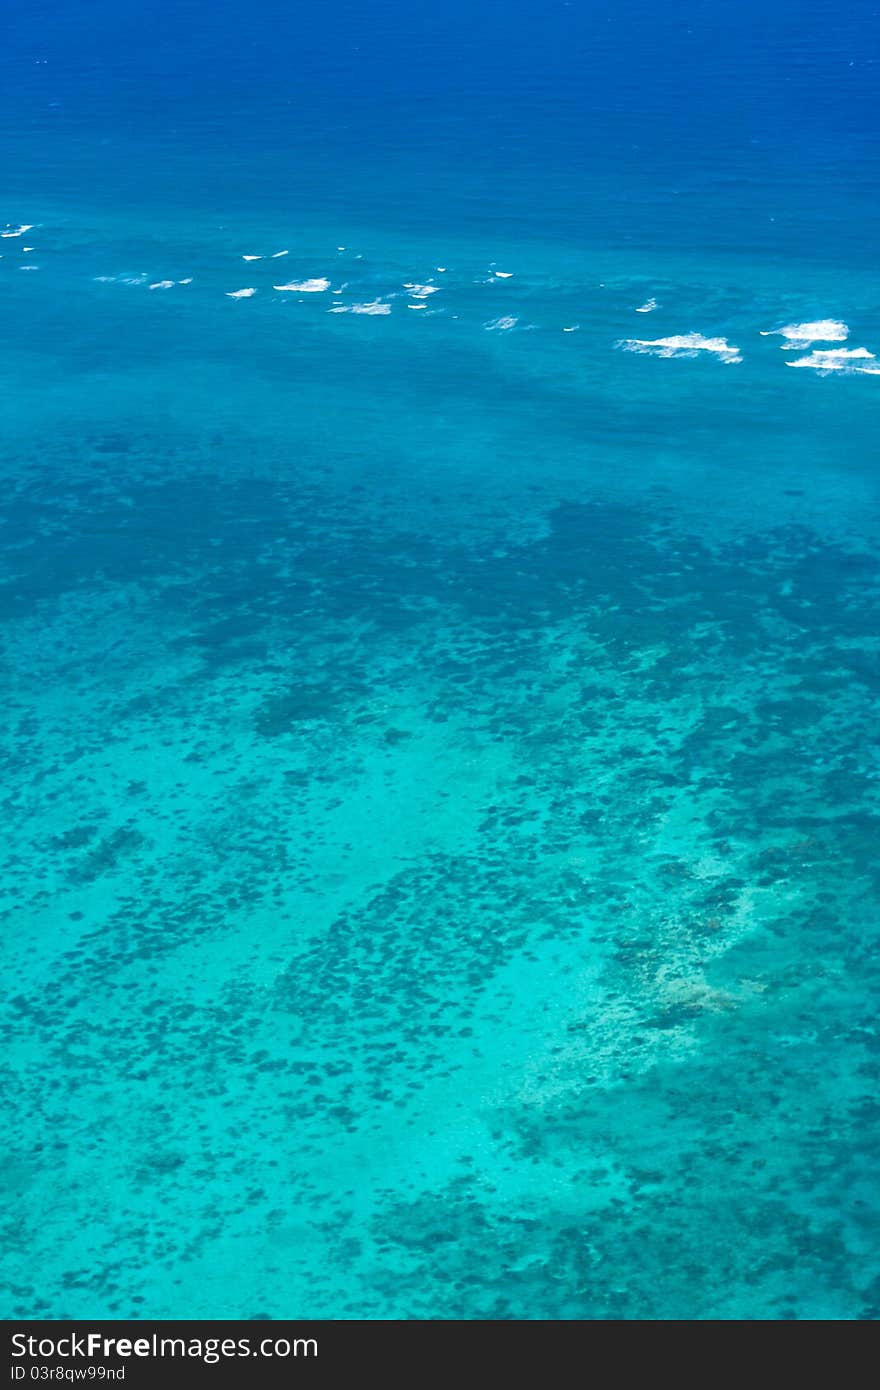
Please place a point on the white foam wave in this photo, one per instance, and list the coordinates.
(162, 285)
(17, 231)
(315, 286)
(240, 294)
(252, 258)
(276, 254)
(683, 345)
(374, 307)
(803, 334)
(648, 307)
(421, 291)
(504, 324)
(839, 360)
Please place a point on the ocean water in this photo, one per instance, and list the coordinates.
(441, 788)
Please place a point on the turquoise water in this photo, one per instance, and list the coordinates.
(440, 870)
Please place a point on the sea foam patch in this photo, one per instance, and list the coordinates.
(241, 294)
(314, 286)
(502, 325)
(798, 335)
(839, 360)
(11, 231)
(683, 345)
(375, 306)
(120, 279)
(648, 307)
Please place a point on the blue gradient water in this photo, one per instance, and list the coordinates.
(440, 871)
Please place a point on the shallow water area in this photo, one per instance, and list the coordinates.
(440, 772)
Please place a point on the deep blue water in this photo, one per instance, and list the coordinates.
(441, 682)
